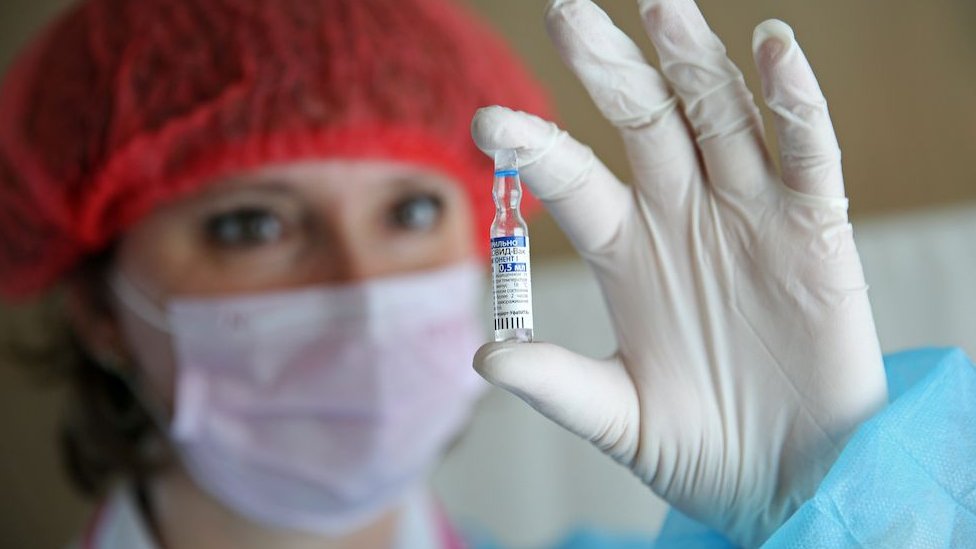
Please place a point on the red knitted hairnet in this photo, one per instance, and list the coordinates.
(123, 104)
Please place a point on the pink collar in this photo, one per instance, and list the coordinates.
(450, 538)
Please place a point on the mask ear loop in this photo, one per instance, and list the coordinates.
(139, 304)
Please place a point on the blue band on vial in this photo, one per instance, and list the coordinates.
(506, 172)
(508, 242)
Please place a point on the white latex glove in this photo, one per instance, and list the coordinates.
(747, 352)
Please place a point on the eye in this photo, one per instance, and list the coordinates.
(419, 212)
(244, 227)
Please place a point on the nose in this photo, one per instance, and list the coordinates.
(352, 252)
(355, 262)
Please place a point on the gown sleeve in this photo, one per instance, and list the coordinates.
(907, 478)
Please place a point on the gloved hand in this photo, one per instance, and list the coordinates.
(747, 352)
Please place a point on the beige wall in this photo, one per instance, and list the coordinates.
(900, 77)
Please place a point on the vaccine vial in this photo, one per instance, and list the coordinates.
(511, 272)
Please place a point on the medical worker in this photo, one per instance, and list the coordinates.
(268, 221)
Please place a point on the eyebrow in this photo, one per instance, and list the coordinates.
(424, 182)
(271, 186)
(227, 195)
(268, 185)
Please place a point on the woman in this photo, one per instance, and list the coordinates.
(279, 269)
(269, 218)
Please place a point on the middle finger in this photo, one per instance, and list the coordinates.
(630, 93)
(717, 102)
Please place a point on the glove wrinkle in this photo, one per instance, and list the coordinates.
(626, 89)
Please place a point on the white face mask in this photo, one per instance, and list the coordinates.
(319, 409)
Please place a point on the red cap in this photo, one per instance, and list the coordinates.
(123, 104)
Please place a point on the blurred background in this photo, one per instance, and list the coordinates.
(900, 78)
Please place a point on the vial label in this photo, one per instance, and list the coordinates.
(513, 288)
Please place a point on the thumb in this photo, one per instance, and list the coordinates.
(595, 399)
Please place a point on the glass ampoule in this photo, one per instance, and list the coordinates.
(511, 270)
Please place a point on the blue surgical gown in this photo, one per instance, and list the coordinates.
(907, 478)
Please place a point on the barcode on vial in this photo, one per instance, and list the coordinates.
(510, 323)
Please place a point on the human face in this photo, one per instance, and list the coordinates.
(290, 226)
(297, 225)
